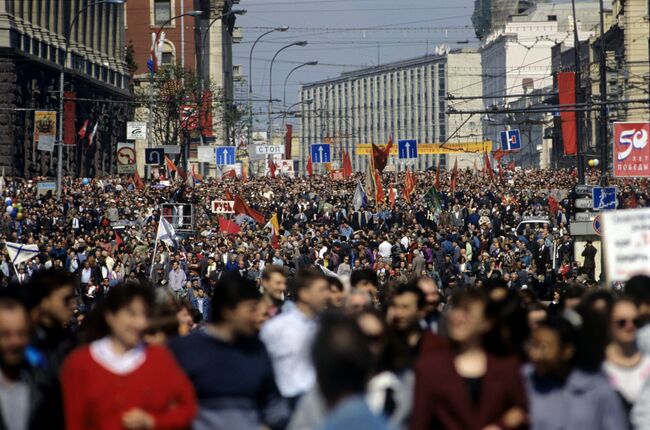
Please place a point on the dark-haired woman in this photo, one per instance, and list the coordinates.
(627, 367)
(116, 382)
(463, 386)
(561, 394)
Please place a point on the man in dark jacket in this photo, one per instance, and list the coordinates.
(589, 265)
(28, 400)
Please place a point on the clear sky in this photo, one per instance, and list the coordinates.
(343, 35)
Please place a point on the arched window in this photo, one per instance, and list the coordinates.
(168, 54)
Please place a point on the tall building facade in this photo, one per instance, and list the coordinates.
(517, 61)
(202, 45)
(32, 53)
(406, 99)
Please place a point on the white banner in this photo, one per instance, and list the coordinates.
(136, 130)
(206, 154)
(627, 243)
(223, 206)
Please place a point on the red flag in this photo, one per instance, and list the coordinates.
(272, 167)
(242, 208)
(391, 197)
(487, 166)
(498, 154)
(84, 129)
(118, 239)
(228, 227)
(437, 183)
(171, 167)
(139, 184)
(566, 88)
(347, 165)
(553, 205)
(310, 167)
(244, 176)
(454, 177)
(205, 114)
(380, 155)
(500, 172)
(511, 165)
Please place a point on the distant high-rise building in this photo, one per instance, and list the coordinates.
(491, 14)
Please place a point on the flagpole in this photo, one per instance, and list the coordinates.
(153, 257)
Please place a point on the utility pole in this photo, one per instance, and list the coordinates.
(603, 120)
(580, 161)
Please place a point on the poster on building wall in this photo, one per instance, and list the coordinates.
(45, 129)
(125, 158)
(631, 149)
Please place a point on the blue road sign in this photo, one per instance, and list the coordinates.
(604, 198)
(407, 149)
(225, 155)
(154, 156)
(510, 140)
(320, 153)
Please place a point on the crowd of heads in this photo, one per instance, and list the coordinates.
(342, 303)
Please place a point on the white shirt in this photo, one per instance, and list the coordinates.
(385, 249)
(102, 352)
(288, 339)
(199, 303)
(628, 380)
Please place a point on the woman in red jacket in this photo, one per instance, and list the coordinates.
(461, 386)
(116, 382)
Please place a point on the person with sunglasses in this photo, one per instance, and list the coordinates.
(627, 367)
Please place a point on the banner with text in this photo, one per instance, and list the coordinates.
(436, 148)
(631, 149)
(627, 243)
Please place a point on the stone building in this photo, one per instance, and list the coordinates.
(407, 99)
(32, 52)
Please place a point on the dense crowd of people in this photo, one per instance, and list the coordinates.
(350, 314)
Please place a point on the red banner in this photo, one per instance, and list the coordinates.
(566, 85)
(337, 174)
(69, 114)
(288, 136)
(205, 115)
(631, 149)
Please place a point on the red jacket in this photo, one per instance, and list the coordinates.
(442, 398)
(96, 398)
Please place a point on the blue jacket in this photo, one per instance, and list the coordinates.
(207, 306)
(234, 382)
(583, 401)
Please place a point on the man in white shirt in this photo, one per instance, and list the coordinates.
(288, 337)
(385, 250)
(201, 303)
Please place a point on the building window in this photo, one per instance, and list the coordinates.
(168, 54)
(552, 17)
(162, 11)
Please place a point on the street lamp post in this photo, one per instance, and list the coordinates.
(284, 96)
(59, 167)
(207, 31)
(270, 120)
(250, 79)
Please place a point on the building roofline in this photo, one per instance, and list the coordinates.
(410, 62)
